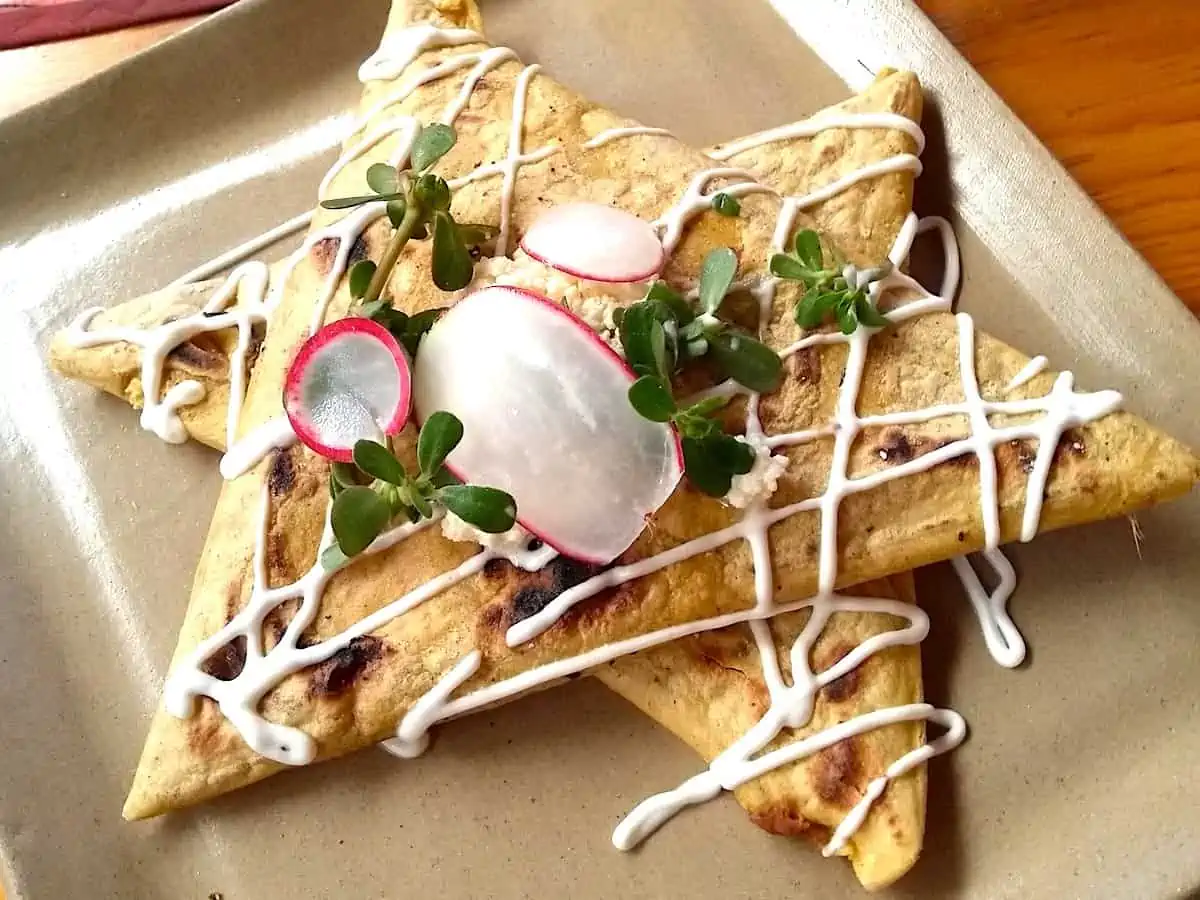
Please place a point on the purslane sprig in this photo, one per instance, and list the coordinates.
(418, 205)
(827, 290)
(376, 489)
(661, 334)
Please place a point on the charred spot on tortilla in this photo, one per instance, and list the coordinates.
(359, 250)
(227, 661)
(275, 623)
(323, 253)
(1070, 444)
(561, 574)
(1017, 453)
(282, 477)
(340, 671)
(786, 820)
(842, 689)
(895, 448)
(194, 356)
(805, 365)
(837, 772)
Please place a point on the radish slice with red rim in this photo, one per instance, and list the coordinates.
(349, 382)
(546, 417)
(596, 243)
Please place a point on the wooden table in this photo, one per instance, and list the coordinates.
(1112, 87)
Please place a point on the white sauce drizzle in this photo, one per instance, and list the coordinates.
(1032, 370)
(161, 414)
(245, 250)
(791, 705)
(1000, 634)
(613, 134)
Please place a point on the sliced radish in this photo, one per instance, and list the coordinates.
(350, 381)
(544, 406)
(596, 242)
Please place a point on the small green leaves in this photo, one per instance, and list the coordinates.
(439, 436)
(377, 461)
(358, 516)
(348, 202)
(868, 314)
(396, 210)
(452, 263)
(487, 508)
(808, 248)
(716, 275)
(746, 361)
(383, 179)
(784, 266)
(651, 397)
(644, 340)
(361, 512)
(432, 192)
(361, 274)
(431, 144)
(827, 291)
(332, 558)
(726, 205)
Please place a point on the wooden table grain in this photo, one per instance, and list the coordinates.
(1111, 87)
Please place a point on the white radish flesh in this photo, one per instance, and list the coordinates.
(547, 418)
(350, 381)
(595, 242)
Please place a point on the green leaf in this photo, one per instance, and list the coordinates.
(383, 179)
(668, 303)
(335, 489)
(810, 312)
(808, 248)
(651, 397)
(332, 558)
(784, 266)
(396, 210)
(358, 516)
(344, 474)
(348, 202)
(869, 314)
(716, 275)
(433, 192)
(439, 436)
(746, 361)
(636, 329)
(487, 508)
(417, 327)
(844, 313)
(664, 357)
(726, 205)
(477, 235)
(452, 263)
(704, 472)
(422, 505)
(730, 454)
(361, 274)
(378, 462)
(443, 477)
(432, 143)
(708, 406)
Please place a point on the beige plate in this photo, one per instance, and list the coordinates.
(1080, 775)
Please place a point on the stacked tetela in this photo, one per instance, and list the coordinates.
(928, 516)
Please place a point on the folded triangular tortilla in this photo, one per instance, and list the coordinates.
(707, 689)
(935, 511)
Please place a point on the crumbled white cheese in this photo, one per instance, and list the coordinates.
(760, 482)
(507, 544)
